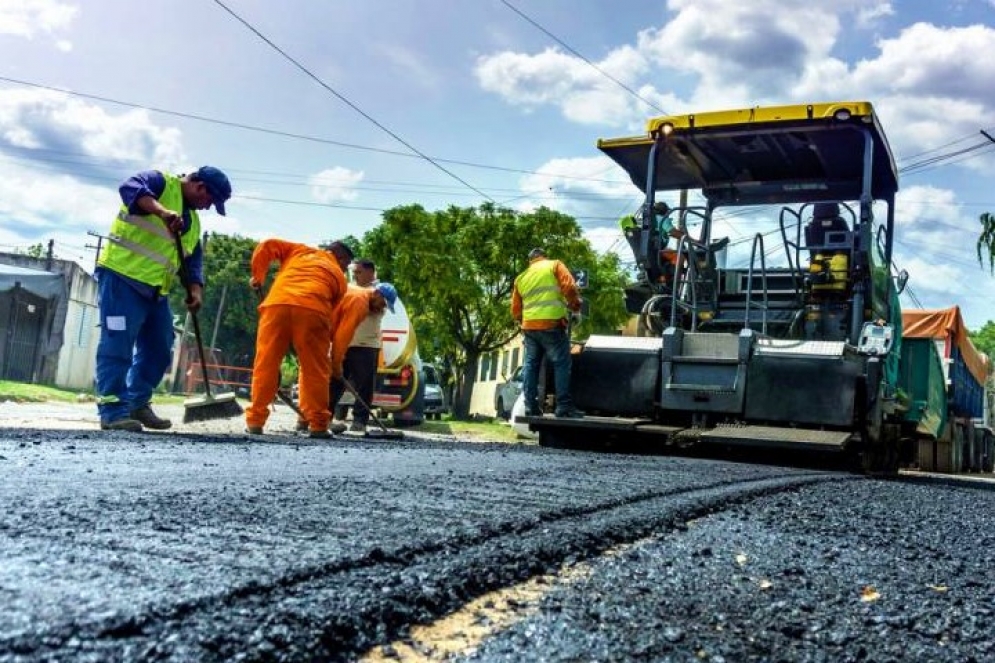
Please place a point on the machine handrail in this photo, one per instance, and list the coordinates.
(685, 247)
(758, 240)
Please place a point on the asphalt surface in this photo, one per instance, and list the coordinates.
(210, 545)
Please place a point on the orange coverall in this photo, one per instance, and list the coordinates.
(297, 311)
(352, 309)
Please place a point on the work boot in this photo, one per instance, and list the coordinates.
(302, 426)
(319, 434)
(569, 412)
(148, 418)
(357, 427)
(337, 427)
(532, 413)
(124, 423)
(254, 430)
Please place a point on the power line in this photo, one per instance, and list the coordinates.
(296, 136)
(574, 51)
(348, 102)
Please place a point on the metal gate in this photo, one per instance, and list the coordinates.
(22, 322)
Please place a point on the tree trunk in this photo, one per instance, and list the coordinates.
(461, 407)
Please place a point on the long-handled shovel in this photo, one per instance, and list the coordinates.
(384, 433)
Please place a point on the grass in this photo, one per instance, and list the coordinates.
(23, 392)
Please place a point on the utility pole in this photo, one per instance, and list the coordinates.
(51, 255)
(100, 241)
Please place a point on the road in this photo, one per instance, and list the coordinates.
(208, 545)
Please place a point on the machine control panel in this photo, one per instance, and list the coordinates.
(875, 338)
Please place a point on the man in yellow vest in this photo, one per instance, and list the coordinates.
(137, 266)
(541, 301)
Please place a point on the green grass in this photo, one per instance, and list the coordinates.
(24, 392)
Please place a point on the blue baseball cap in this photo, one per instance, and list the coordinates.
(389, 293)
(217, 185)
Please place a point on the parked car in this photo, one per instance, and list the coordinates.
(518, 410)
(435, 396)
(506, 393)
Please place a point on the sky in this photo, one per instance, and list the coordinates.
(325, 114)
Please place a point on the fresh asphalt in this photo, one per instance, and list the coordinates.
(205, 544)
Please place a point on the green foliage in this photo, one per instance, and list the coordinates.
(36, 251)
(984, 338)
(986, 240)
(455, 270)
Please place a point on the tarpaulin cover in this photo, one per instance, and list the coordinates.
(948, 325)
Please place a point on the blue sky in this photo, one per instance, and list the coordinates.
(505, 109)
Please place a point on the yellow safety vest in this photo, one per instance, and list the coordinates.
(141, 246)
(540, 291)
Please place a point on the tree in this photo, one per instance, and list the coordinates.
(455, 270)
(986, 241)
(984, 338)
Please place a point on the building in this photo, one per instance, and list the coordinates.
(48, 322)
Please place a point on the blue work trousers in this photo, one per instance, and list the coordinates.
(554, 345)
(135, 348)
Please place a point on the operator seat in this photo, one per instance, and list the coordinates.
(825, 219)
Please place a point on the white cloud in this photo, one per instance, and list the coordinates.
(335, 184)
(63, 129)
(28, 18)
(552, 77)
(870, 14)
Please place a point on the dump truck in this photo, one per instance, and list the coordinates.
(945, 385)
(798, 344)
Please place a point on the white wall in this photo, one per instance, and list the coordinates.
(78, 357)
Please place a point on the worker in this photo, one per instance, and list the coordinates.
(541, 301)
(356, 348)
(298, 311)
(361, 359)
(136, 268)
(666, 230)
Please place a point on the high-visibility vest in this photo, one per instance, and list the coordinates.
(141, 246)
(540, 291)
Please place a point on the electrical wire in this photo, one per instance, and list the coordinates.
(341, 97)
(574, 51)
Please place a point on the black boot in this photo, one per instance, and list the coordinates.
(149, 419)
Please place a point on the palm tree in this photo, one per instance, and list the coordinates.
(986, 241)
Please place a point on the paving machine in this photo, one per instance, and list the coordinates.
(796, 346)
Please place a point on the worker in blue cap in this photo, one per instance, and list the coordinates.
(137, 266)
